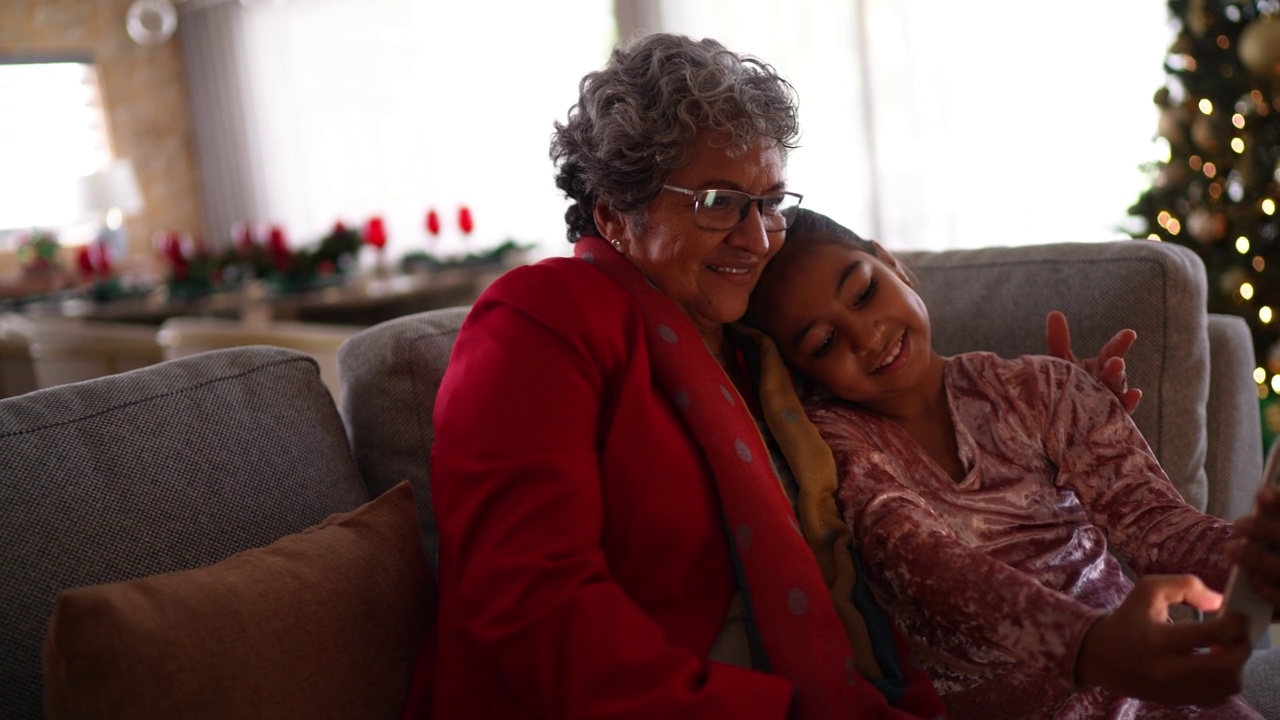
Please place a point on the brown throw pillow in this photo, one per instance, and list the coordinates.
(324, 623)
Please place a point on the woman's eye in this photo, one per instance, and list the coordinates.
(827, 341)
(866, 295)
(713, 200)
(771, 204)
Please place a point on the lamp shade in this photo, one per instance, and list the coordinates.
(115, 185)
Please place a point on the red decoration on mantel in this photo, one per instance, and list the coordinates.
(433, 222)
(375, 233)
(85, 262)
(242, 236)
(278, 248)
(464, 220)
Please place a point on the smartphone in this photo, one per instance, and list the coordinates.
(1240, 596)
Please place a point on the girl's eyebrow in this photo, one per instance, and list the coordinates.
(845, 274)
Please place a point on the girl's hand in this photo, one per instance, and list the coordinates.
(1136, 652)
(1108, 367)
(1256, 546)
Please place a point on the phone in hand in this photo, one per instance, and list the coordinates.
(1240, 596)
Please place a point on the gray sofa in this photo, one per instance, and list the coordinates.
(187, 462)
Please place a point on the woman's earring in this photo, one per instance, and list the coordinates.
(617, 244)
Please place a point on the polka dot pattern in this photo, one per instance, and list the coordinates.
(788, 598)
(798, 601)
(728, 396)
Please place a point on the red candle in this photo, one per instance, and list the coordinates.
(464, 220)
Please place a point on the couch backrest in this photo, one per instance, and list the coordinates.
(390, 374)
(997, 298)
(169, 467)
(983, 299)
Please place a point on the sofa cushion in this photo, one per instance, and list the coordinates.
(324, 623)
(390, 374)
(166, 468)
(997, 299)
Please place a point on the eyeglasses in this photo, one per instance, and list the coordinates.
(726, 209)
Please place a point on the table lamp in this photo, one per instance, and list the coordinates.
(113, 191)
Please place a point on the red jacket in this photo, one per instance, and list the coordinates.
(584, 570)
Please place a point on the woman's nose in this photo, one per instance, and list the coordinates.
(750, 234)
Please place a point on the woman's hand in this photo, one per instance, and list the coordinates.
(1136, 652)
(1108, 367)
(1257, 545)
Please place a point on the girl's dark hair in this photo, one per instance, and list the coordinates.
(809, 230)
(635, 120)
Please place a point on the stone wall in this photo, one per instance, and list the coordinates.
(145, 97)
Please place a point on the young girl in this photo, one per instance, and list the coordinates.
(984, 493)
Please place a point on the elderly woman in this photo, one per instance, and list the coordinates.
(614, 538)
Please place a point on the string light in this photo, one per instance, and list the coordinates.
(1259, 264)
(1275, 383)
(1206, 106)
(1210, 169)
(1238, 120)
(1264, 314)
(1238, 145)
(1246, 290)
(1242, 245)
(1195, 162)
(1269, 206)
(1163, 218)
(1174, 227)
(1259, 375)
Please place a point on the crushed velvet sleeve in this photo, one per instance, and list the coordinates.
(907, 545)
(1105, 460)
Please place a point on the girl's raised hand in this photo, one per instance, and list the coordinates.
(1108, 366)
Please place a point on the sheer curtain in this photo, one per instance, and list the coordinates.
(937, 124)
(347, 109)
(930, 124)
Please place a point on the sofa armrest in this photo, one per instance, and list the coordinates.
(169, 467)
(1233, 460)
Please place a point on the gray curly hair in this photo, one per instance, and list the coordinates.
(635, 120)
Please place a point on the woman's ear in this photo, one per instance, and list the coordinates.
(611, 223)
(892, 262)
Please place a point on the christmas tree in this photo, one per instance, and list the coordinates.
(1217, 187)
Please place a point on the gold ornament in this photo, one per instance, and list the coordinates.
(1206, 226)
(1205, 135)
(1259, 47)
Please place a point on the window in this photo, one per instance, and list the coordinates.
(52, 132)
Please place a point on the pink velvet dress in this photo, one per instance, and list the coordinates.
(996, 578)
